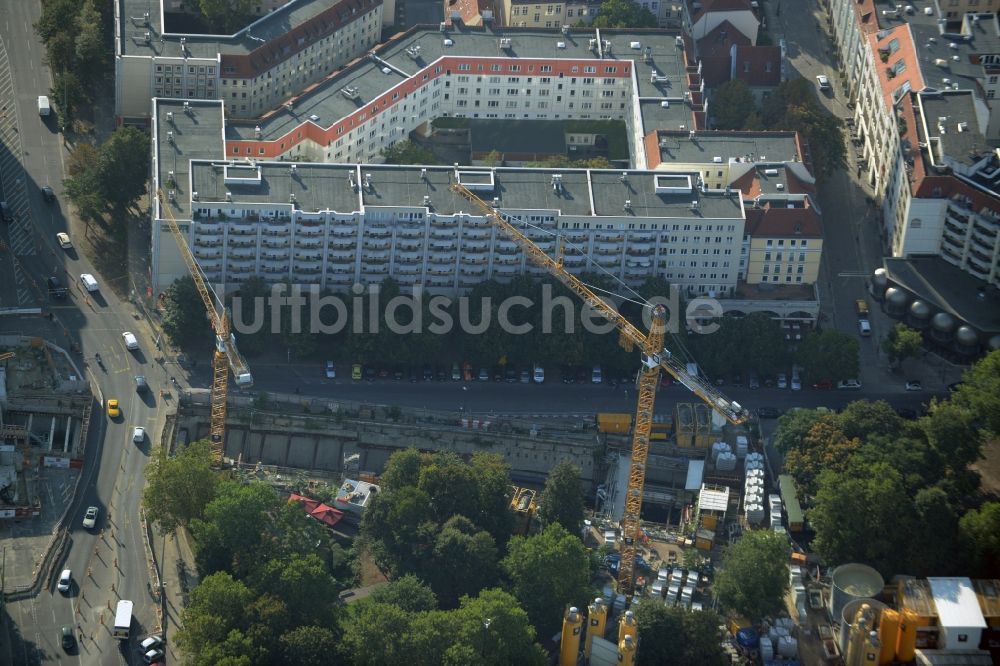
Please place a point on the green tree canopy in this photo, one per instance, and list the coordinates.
(227, 15)
(623, 14)
(794, 425)
(548, 571)
(123, 167)
(979, 392)
(215, 620)
(562, 497)
(408, 592)
(901, 343)
(184, 318)
(829, 354)
(466, 561)
(308, 645)
(979, 532)
(793, 106)
(732, 105)
(178, 488)
(408, 152)
(824, 447)
(675, 636)
(753, 576)
(233, 527)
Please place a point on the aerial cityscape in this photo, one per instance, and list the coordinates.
(621, 332)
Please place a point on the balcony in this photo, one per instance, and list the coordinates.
(410, 233)
(236, 241)
(639, 251)
(213, 276)
(981, 242)
(609, 248)
(342, 231)
(274, 269)
(379, 244)
(476, 247)
(577, 238)
(441, 246)
(409, 246)
(409, 258)
(301, 231)
(506, 261)
(477, 223)
(441, 259)
(212, 265)
(201, 254)
(306, 222)
(440, 283)
(473, 261)
(272, 230)
(309, 255)
(374, 269)
(241, 267)
(444, 234)
(574, 261)
(243, 254)
(345, 244)
(608, 260)
(440, 271)
(378, 232)
(505, 270)
(340, 278)
(409, 270)
(476, 234)
(275, 256)
(443, 223)
(277, 243)
(208, 241)
(308, 243)
(340, 257)
(986, 230)
(950, 255)
(242, 230)
(642, 237)
(953, 237)
(207, 228)
(978, 269)
(610, 238)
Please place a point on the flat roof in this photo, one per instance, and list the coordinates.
(197, 135)
(964, 38)
(655, 116)
(610, 195)
(264, 29)
(713, 498)
(966, 145)
(956, 602)
(777, 147)
(320, 189)
(947, 288)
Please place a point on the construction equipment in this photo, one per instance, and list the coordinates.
(654, 356)
(226, 357)
(4, 357)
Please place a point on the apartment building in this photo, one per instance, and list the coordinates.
(338, 224)
(784, 241)
(643, 79)
(898, 63)
(256, 69)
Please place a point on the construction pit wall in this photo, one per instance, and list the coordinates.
(339, 438)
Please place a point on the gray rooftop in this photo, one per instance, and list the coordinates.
(610, 194)
(655, 116)
(949, 289)
(327, 187)
(933, 41)
(965, 146)
(760, 146)
(197, 135)
(266, 28)
(314, 188)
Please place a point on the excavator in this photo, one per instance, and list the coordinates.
(654, 357)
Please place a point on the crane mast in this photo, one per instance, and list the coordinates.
(226, 356)
(654, 357)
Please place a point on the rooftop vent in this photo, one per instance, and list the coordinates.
(442, 27)
(717, 159)
(256, 132)
(413, 51)
(229, 196)
(624, 177)
(694, 205)
(647, 54)
(350, 179)
(170, 116)
(628, 205)
(194, 196)
(593, 45)
(170, 136)
(423, 174)
(770, 172)
(565, 30)
(560, 45)
(146, 37)
(692, 135)
(952, 45)
(427, 200)
(780, 186)
(940, 62)
(291, 197)
(293, 168)
(665, 104)
(635, 46)
(496, 201)
(350, 92)
(679, 41)
(187, 108)
(171, 196)
(962, 127)
(448, 42)
(506, 43)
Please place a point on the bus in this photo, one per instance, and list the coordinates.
(123, 620)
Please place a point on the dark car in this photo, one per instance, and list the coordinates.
(510, 375)
(441, 375)
(6, 214)
(428, 373)
(397, 373)
(414, 374)
(906, 412)
(48, 194)
(56, 288)
(567, 374)
(768, 412)
(67, 638)
(140, 384)
(370, 373)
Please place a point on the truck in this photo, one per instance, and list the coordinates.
(123, 620)
(43, 105)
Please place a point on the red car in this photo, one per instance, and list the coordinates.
(823, 385)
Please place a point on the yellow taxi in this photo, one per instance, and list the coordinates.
(114, 411)
(356, 371)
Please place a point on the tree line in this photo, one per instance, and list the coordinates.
(872, 480)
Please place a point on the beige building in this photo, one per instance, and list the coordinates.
(520, 14)
(785, 241)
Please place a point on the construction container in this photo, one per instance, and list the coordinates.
(626, 651)
(726, 462)
(906, 637)
(572, 628)
(742, 446)
(627, 626)
(717, 449)
(787, 647)
(888, 635)
(703, 539)
(796, 518)
(755, 513)
(853, 581)
(608, 422)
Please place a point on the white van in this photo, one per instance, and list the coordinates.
(89, 282)
(43, 105)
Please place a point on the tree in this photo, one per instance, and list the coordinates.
(980, 392)
(824, 447)
(793, 106)
(864, 419)
(731, 105)
(494, 158)
(365, 639)
(510, 637)
(215, 620)
(754, 574)
(675, 636)
(562, 497)
(90, 48)
(623, 14)
(829, 354)
(408, 592)
(232, 527)
(408, 152)
(862, 515)
(937, 529)
(302, 583)
(178, 488)
(548, 571)
(901, 343)
(979, 536)
(123, 167)
(184, 318)
(308, 646)
(464, 561)
(794, 426)
(82, 186)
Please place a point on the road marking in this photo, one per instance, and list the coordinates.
(863, 274)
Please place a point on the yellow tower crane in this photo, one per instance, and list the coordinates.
(226, 357)
(654, 357)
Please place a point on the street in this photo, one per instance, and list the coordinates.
(109, 562)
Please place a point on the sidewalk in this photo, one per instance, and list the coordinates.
(177, 570)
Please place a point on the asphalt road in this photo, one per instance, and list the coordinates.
(112, 474)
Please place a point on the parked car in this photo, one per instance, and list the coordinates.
(914, 385)
(539, 374)
(356, 372)
(824, 82)
(864, 327)
(331, 370)
(152, 642)
(752, 380)
(456, 372)
(67, 638)
(48, 194)
(849, 384)
(525, 377)
(768, 412)
(782, 380)
(484, 375)
(510, 375)
(90, 517)
(64, 241)
(595, 375)
(567, 374)
(823, 385)
(467, 371)
(153, 656)
(397, 374)
(56, 288)
(6, 213)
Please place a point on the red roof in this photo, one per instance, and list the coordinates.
(784, 222)
(758, 65)
(321, 512)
